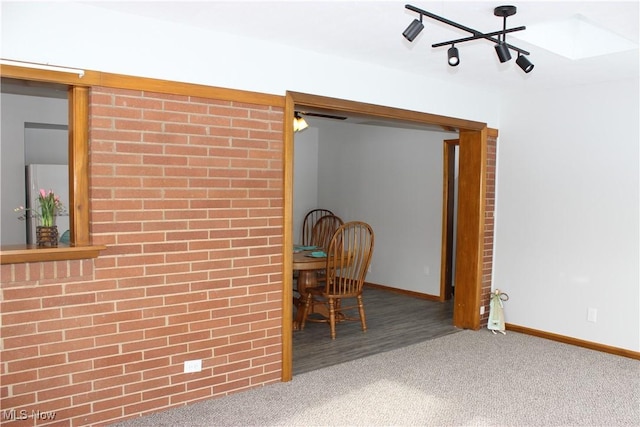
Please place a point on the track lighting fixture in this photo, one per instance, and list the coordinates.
(413, 29)
(454, 58)
(299, 123)
(502, 47)
(524, 63)
(503, 52)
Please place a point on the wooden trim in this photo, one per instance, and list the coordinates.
(120, 81)
(189, 89)
(30, 253)
(574, 341)
(78, 204)
(90, 77)
(287, 246)
(360, 109)
(448, 203)
(414, 294)
(470, 228)
(79, 165)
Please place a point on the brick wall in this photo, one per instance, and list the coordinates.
(187, 195)
(490, 205)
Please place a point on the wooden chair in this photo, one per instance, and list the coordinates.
(321, 236)
(323, 230)
(309, 221)
(348, 258)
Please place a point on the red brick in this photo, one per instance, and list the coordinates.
(64, 369)
(36, 363)
(21, 377)
(146, 385)
(17, 330)
(141, 325)
(163, 351)
(164, 391)
(93, 418)
(92, 353)
(64, 391)
(97, 395)
(143, 344)
(20, 293)
(147, 406)
(30, 316)
(21, 401)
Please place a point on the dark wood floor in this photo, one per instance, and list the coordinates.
(393, 321)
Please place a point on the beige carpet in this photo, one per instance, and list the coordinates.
(464, 379)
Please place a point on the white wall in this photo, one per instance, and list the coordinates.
(392, 179)
(15, 111)
(567, 226)
(305, 177)
(45, 144)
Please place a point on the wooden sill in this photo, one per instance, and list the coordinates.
(15, 254)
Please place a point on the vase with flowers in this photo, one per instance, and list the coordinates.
(48, 207)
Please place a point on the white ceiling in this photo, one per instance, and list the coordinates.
(371, 31)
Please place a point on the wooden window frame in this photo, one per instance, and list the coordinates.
(80, 246)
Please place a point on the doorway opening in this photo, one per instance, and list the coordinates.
(470, 223)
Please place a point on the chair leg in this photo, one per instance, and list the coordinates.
(305, 310)
(363, 320)
(338, 303)
(332, 318)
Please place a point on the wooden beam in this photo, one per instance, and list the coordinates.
(470, 228)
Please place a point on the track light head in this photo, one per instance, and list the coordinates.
(524, 63)
(503, 52)
(454, 57)
(413, 29)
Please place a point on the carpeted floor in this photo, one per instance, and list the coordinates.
(470, 378)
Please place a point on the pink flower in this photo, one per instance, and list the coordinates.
(43, 193)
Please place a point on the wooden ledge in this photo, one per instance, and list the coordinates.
(16, 254)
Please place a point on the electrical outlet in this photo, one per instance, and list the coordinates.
(592, 314)
(192, 366)
(481, 310)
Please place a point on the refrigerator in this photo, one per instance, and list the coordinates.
(47, 177)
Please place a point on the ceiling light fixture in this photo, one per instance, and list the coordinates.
(501, 45)
(299, 123)
(413, 29)
(503, 52)
(524, 63)
(454, 57)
